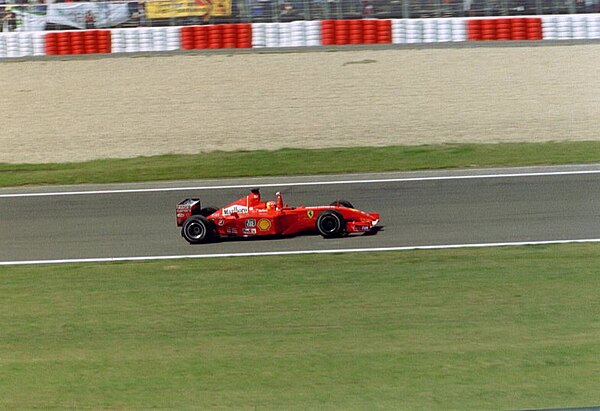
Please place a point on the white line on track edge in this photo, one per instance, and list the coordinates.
(299, 252)
(308, 183)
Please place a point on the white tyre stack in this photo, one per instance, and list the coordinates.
(549, 29)
(38, 40)
(132, 41)
(2, 46)
(117, 39)
(12, 45)
(258, 35)
(398, 31)
(145, 39)
(414, 31)
(313, 33)
(285, 34)
(159, 39)
(444, 30)
(459, 29)
(430, 34)
(25, 44)
(173, 38)
(579, 26)
(593, 26)
(564, 28)
(272, 35)
(298, 33)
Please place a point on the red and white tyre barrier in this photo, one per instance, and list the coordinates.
(299, 34)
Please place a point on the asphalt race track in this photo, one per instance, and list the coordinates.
(417, 209)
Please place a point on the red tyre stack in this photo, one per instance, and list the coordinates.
(369, 31)
(518, 29)
(534, 28)
(355, 32)
(187, 37)
(342, 32)
(503, 31)
(51, 44)
(244, 36)
(199, 36)
(64, 43)
(384, 31)
(104, 39)
(215, 36)
(229, 36)
(328, 32)
(488, 29)
(474, 30)
(77, 45)
(90, 41)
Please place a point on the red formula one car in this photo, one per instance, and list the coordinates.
(251, 217)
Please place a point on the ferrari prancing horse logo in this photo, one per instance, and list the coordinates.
(310, 213)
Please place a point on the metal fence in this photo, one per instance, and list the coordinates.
(29, 17)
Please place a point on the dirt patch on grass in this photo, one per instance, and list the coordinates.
(73, 110)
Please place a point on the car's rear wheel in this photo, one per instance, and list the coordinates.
(331, 224)
(197, 229)
(342, 203)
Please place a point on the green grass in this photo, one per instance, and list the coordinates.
(506, 328)
(298, 162)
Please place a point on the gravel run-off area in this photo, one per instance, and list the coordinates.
(74, 110)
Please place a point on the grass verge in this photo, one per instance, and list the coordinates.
(504, 328)
(299, 162)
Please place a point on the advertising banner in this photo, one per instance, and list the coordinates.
(74, 14)
(187, 8)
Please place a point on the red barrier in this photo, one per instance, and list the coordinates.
(51, 44)
(474, 30)
(488, 29)
(534, 28)
(229, 36)
(328, 32)
(518, 28)
(187, 37)
(384, 31)
(369, 31)
(77, 45)
(104, 39)
(503, 29)
(355, 32)
(342, 32)
(200, 37)
(215, 36)
(244, 36)
(90, 41)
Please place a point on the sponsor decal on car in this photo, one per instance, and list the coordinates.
(250, 223)
(235, 209)
(221, 222)
(249, 231)
(264, 224)
(310, 213)
(231, 230)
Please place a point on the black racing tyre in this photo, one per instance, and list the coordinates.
(206, 211)
(197, 229)
(342, 203)
(331, 224)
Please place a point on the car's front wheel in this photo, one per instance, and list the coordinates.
(197, 229)
(331, 224)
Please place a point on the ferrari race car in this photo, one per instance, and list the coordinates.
(251, 217)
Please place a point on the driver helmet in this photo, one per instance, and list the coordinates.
(271, 205)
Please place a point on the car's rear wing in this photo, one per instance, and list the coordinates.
(187, 208)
